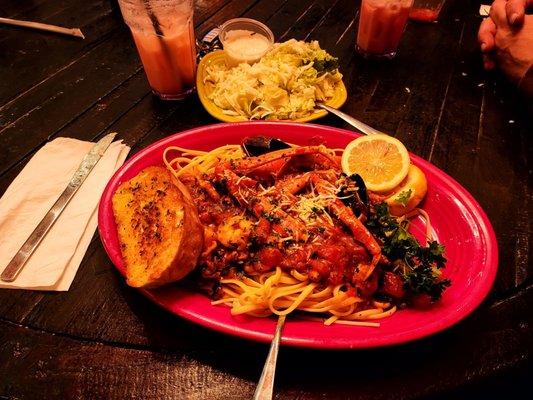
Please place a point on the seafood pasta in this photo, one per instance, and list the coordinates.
(287, 231)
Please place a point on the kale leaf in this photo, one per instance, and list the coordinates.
(325, 65)
(418, 265)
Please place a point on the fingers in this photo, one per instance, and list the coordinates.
(485, 35)
(498, 13)
(515, 11)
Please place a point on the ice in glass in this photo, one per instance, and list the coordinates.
(381, 25)
(163, 32)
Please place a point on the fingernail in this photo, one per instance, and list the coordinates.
(483, 46)
(513, 18)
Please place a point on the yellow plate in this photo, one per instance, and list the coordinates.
(218, 57)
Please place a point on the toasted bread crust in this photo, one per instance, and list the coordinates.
(158, 228)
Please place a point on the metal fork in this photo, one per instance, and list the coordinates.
(265, 386)
(361, 126)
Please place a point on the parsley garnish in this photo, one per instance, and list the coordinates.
(404, 197)
(270, 218)
(317, 210)
(419, 266)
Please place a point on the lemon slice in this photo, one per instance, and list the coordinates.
(409, 193)
(381, 160)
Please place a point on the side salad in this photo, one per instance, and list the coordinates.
(285, 84)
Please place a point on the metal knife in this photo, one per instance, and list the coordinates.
(89, 161)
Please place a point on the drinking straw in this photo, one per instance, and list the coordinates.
(159, 32)
(43, 27)
(153, 17)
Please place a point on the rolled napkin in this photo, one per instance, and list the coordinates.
(26, 201)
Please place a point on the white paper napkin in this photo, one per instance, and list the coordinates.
(484, 10)
(55, 262)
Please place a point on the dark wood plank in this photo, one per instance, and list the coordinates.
(94, 17)
(228, 11)
(304, 20)
(195, 367)
(424, 99)
(473, 142)
(283, 19)
(94, 121)
(44, 106)
(33, 9)
(264, 10)
(33, 69)
(23, 50)
(396, 96)
(73, 89)
(335, 24)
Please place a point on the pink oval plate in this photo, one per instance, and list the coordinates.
(458, 221)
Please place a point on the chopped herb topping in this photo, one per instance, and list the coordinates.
(419, 266)
(270, 217)
(403, 197)
(317, 210)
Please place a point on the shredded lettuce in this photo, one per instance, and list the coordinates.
(285, 84)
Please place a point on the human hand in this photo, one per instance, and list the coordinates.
(504, 45)
(515, 14)
(513, 48)
(515, 10)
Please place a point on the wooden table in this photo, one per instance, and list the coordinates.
(102, 339)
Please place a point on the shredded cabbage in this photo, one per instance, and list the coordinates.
(284, 84)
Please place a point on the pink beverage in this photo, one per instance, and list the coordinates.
(163, 32)
(381, 25)
(426, 10)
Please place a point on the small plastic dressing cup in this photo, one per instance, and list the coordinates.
(245, 40)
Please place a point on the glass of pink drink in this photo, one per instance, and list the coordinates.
(426, 10)
(381, 25)
(163, 32)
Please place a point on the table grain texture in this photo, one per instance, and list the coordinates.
(103, 340)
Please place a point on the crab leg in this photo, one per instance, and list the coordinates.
(359, 231)
(248, 165)
(342, 212)
(243, 190)
(294, 184)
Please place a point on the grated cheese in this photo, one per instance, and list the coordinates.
(307, 206)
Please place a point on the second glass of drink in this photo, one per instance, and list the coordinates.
(426, 10)
(381, 25)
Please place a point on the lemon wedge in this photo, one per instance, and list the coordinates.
(409, 193)
(381, 160)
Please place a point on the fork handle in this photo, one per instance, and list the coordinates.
(265, 387)
(361, 126)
